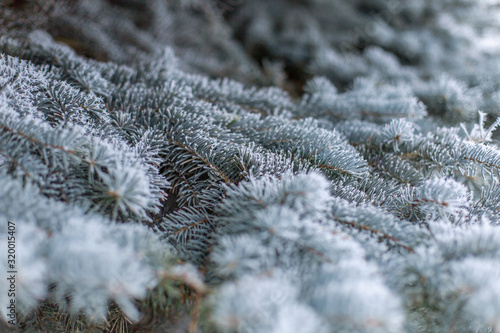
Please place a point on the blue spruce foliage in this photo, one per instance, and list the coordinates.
(251, 166)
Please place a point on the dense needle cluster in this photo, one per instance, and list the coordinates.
(277, 166)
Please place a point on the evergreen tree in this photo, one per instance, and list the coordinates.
(260, 166)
